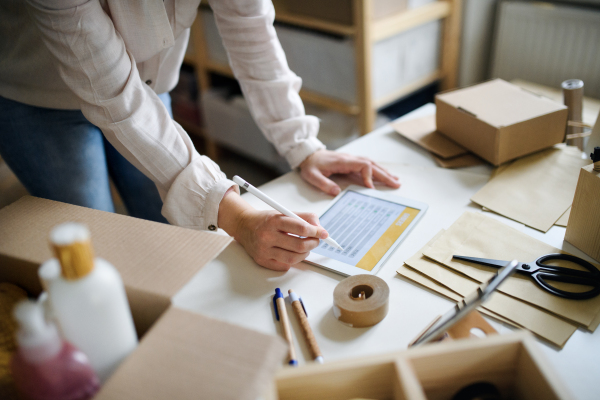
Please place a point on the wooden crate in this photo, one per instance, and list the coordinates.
(513, 363)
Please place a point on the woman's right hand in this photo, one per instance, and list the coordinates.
(269, 237)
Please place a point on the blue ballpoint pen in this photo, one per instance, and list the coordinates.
(281, 315)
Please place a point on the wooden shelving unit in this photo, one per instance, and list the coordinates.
(366, 32)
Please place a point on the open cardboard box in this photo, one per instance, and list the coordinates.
(512, 363)
(499, 121)
(181, 354)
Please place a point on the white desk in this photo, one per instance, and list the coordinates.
(235, 289)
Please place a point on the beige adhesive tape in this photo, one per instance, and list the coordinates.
(361, 300)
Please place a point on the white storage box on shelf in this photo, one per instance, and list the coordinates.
(326, 63)
(229, 123)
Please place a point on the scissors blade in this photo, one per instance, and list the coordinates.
(483, 261)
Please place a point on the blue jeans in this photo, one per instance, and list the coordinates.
(59, 155)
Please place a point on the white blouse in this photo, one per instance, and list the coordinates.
(114, 56)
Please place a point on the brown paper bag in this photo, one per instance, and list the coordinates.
(546, 325)
(476, 235)
(535, 190)
(422, 280)
(564, 219)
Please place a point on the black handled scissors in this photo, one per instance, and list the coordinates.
(541, 272)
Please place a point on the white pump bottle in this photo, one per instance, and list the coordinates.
(89, 300)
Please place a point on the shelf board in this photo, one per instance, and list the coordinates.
(406, 90)
(306, 95)
(315, 23)
(329, 102)
(405, 20)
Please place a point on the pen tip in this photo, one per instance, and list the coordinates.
(290, 291)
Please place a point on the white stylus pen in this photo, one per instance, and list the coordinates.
(277, 206)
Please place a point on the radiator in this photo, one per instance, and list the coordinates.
(547, 44)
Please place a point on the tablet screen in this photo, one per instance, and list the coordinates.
(365, 226)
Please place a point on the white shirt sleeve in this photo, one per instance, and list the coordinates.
(96, 65)
(269, 86)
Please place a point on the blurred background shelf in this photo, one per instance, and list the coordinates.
(355, 57)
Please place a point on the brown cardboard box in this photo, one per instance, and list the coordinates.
(499, 121)
(184, 354)
(155, 260)
(583, 228)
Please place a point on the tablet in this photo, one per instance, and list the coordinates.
(369, 225)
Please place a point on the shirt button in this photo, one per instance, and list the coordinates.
(149, 82)
(212, 228)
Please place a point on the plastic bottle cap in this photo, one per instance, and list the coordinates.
(38, 339)
(71, 244)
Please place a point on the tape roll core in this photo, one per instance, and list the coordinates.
(361, 300)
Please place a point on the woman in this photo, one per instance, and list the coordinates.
(81, 78)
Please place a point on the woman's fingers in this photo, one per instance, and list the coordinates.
(382, 175)
(276, 241)
(315, 177)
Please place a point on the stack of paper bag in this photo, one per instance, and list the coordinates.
(536, 190)
(519, 300)
(446, 152)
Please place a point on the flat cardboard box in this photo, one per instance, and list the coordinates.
(155, 261)
(189, 356)
(499, 121)
(583, 228)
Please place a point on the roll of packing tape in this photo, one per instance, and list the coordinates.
(361, 300)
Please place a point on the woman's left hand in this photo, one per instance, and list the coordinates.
(317, 168)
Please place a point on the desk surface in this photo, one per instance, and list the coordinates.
(235, 289)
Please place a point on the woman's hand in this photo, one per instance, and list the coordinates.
(317, 168)
(269, 237)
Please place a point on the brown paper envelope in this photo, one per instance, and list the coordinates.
(422, 132)
(592, 327)
(424, 281)
(546, 325)
(564, 219)
(535, 190)
(466, 160)
(476, 235)
(499, 169)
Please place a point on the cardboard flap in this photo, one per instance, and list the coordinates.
(500, 103)
(189, 356)
(150, 256)
(422, 131)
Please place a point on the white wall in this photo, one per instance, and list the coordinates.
(476, 42)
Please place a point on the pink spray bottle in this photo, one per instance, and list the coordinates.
(45, 367)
